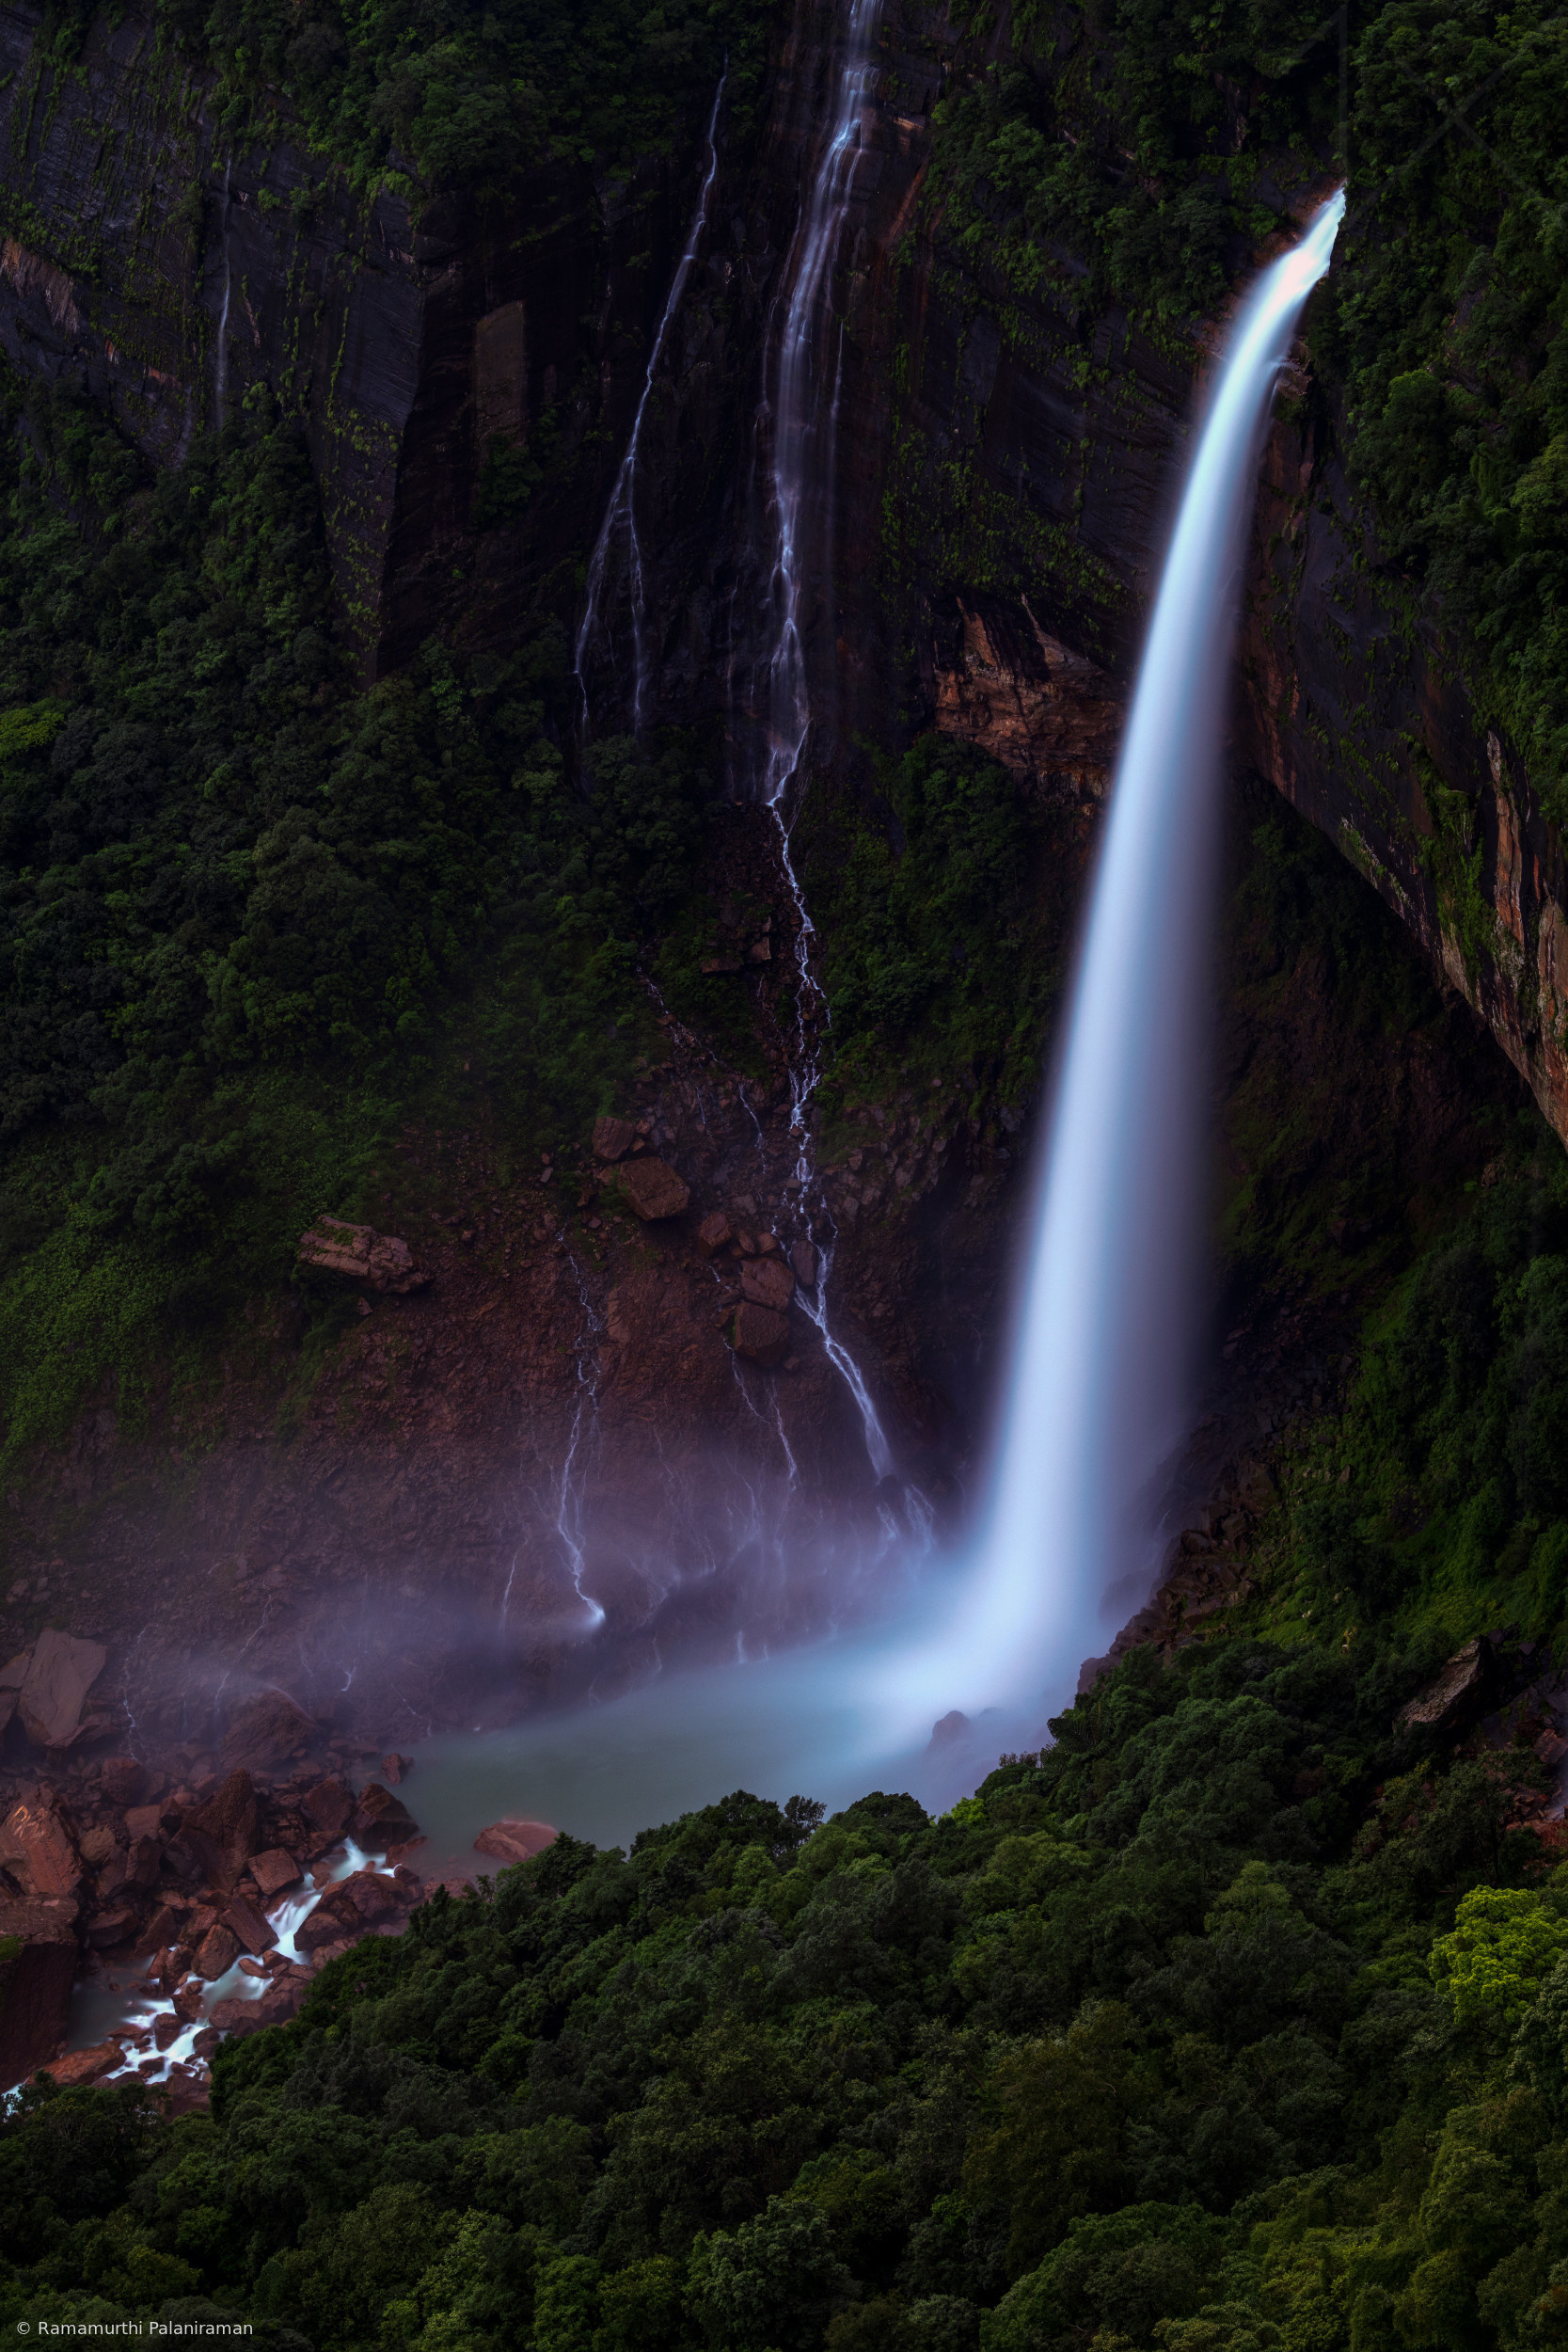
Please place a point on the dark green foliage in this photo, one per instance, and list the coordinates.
(230, 871)
(1152, 142)
(454, 94)
(931, 919)
(1445, 1475)
(1113, 2047)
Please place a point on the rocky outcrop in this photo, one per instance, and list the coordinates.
(38, 1956)
(653, 1189)
(381, 1261)
(515, 1841)
(61, 1672)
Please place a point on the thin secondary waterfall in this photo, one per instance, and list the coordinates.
(220, 387)
(799, 429)
(621, 514)
(1097, 1397)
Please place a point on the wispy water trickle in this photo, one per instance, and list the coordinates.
(220, 384)
(799, 429)
(620, 522)
(1098, 1393)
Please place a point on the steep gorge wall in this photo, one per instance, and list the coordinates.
(1008, 488)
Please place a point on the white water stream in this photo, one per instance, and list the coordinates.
(621, 514)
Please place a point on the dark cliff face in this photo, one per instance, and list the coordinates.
(1005, 481)
(168, 271)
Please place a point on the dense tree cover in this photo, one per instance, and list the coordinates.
(1227, 2021)
(227, 861)
(450, 91)
(1446, 1476)
(937, 933)
(1156, 143)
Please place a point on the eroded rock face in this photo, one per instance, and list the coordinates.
(35, 1983)
(55, 1689)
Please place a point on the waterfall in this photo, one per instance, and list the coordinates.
(621, 514)
(220, 386)
(798, 429)
(1095, 1397)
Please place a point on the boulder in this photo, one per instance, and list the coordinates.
(613, 1139)
(266, 1731)
(803, 1258)
(715, 1232)
(112, 1927)
(653, 1189)
(327, 1807)
(381, 1261)
(768, 1282)
(757, 1333)
(37, 1846)
(62, 1671)
(220, 1833)
(38, 1956)
(144, 1820)
(217, 1953)
(381, 1819)
(1451, 1693)
(83, 2066)
(395, 1768)
(124, 1782)
(249, 1927)
(515, 1841)
(274, 1870)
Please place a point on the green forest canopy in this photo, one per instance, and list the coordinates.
(1228, 2021)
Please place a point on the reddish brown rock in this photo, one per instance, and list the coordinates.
(142, 1859)
(715, 1232)
(758, 1333)
(768, 1282)
(395, 1768)
(328, 1807)
(124, 1782)
(166, 2028)
(113, 1927)
(38, 1954)
(381, 1261)
(218, 1951)
(220, 1833)
(803, 1258)
(273, 1871)
(381, 1819)
(515, 1841)
(266, 1731)
(613, 1139)
(37, 1846)
(82, 2066)
(62, 1671)
(653, 1189)
(249, 1927)
(144, 1820)
(189, 2001)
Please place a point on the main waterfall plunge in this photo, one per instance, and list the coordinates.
(1095, 1397)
